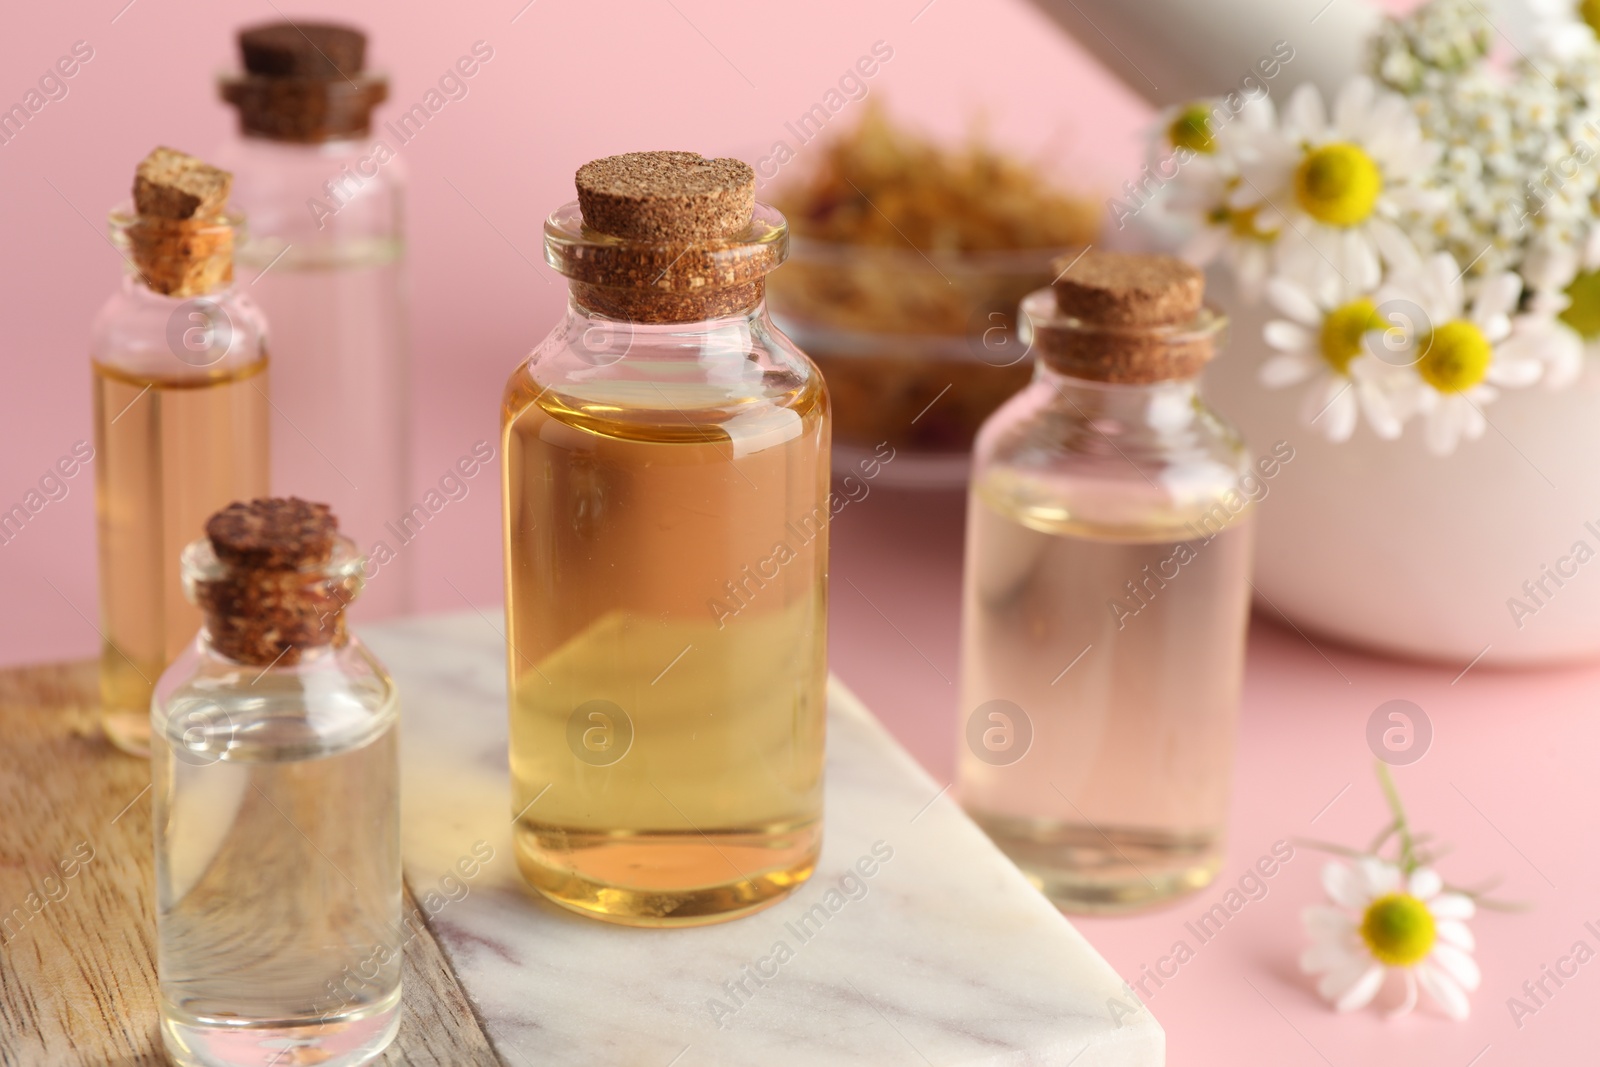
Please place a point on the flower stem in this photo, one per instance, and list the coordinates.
(1408, 859)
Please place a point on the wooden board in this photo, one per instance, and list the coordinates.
(77, 898)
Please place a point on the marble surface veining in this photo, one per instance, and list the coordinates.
(944, 956)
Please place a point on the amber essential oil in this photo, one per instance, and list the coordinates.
(666, 507)
(667, 595)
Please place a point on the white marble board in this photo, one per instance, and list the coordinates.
(949, 957)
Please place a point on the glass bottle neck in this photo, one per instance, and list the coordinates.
(1153, 403)
(135, 285)
(589, 327)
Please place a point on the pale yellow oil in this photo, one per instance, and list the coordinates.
(1111, 657)
(666, 553)
(168, 453)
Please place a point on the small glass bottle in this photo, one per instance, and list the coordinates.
(325, 259)
(666, 513)
(276, 805)
(1107, 593)
(181, 419)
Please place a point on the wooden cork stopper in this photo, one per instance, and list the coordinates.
(303, 50)
(682, 222)
(181, 242)
(304, 82)
(274, 533)
(662, 197)
(274, 599)
(1121, 289)
(171, 185)
(1130, 319)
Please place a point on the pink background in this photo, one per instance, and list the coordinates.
(569, 82)
(1508, 776)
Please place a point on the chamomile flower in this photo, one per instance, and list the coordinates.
(1322, 340)
(1458, 353)
(1340, 182)
(1386, 921)
(1209, 137)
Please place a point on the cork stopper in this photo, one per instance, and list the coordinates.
(661, 197)
(181, 242)
(273, 534)
(304, 82)
(1122, 289)
(666, 237)
(1129, 319)
(171, 185)
(282, 582)
(303, 50)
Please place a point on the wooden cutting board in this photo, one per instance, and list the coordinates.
(77, 898)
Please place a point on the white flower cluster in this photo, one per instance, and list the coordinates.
(1430, 239)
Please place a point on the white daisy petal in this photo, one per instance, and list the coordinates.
(1405, 1007)
(1457, 964)
(1352, 108)
(1443, 992)
(1497, 296)
(1425, 883)
(1380, 877)
(1455, 932)
(1448, 285)
(1444, 425)
(1554, 344)
(1304, 116)
(1394, 246)
(1287, 336)
(1550, 266)
(1286, 368)
(1335, 984)
(1563, 359)
(1358, 254)
(1361, 992)
(1510, 371)
(1381, 413)
(1339, 412)
(1344, 886)
(1293, 301)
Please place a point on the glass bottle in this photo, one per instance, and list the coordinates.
(181, 429)
(666, 507)
(1106, 595)
(276, 805)
(325, 260)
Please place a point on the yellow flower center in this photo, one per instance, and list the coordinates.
(1192, 130)
(1455, 357)
(1343, 330)
(1398, 929)
(1247, 223)
(1583, 314)
(1338, 184)
(1244, 223)
(1589, 11)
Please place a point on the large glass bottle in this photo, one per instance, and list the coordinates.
(181, 421)
(666, 508)
(1109, 538)
(276, 805)
(325, 259)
